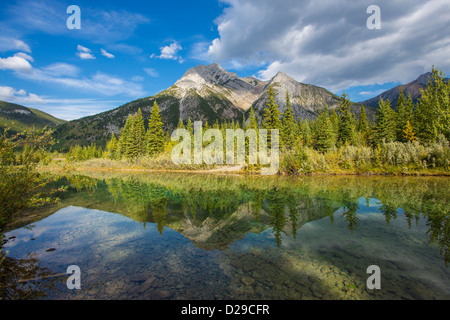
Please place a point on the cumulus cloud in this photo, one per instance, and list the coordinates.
(19, 96)
(169, 52)
(18, 62)
(328, 43)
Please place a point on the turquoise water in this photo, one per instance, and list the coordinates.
(181, 237)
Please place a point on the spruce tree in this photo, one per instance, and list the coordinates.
(323, 132)
(432, 116)
(155, 132)
(403, 115)
(136, 136)
(180, 124)
(385, 128)
(112, 147)
(290, 126)
(125, 138)
(271, 118)
(346, 122)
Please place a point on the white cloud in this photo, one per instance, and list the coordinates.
(327, 42)
(67, 75)
(169, 52)
(11, 44)
(107, 54)
(19, 96)
(151, 72)
(84, 53)
(18, 62)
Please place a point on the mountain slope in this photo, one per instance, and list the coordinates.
(413, 88)
(18, 118)
(205, 93)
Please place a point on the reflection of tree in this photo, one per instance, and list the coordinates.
(350, 215)
(389, 212)
(293, 214)
(158, 204)
(12, 274)
(439, 229)
(304, 199)
(256, 204)
(136, 198)
(277, 203)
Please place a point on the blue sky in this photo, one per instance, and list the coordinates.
(127, 50)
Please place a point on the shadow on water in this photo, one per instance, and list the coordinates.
(289, 238)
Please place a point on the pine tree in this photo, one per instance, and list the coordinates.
(253, 125)
(323, 132)
(271, 115)
(346, 122)
(112, 147)
(155, 132)
(385, 128)
(290, 126)
(404, 115)
(180, 124)
(432, 116)
(305, 132)
(136, 136)
(125, 138)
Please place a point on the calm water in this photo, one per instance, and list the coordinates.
(170, 236)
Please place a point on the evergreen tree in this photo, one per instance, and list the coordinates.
(180, 124)
(305, 132)
(403, 116)
(155, 132)
(432, 116)
(136, 136)
(125, 138)
(346, 122)
(271, 115)
(323, 132)
(290, 126)
(112, 147)
(385, 128)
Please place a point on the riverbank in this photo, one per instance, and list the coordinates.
(107, 165)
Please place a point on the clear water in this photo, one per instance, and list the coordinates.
(214, 237)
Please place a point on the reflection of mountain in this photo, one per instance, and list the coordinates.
(216, 211)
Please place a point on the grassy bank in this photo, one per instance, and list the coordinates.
(392, 158)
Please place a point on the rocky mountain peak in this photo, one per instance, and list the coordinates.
(423, 79)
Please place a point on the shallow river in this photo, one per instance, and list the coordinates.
(172, 236)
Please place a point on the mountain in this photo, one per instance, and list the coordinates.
(413, 88)
(205, 93)
(19, 118)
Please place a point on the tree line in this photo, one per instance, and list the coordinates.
(426, 121)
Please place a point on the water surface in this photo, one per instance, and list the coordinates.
(171, 236)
